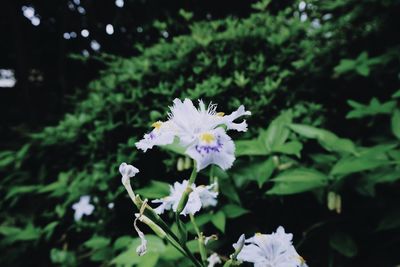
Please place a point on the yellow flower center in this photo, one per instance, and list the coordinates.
(258, 234)
(207, 137)
(157, 124)
(220, 114)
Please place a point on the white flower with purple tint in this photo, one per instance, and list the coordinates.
(273, 250)
(201, 196)
(200, 131)
(83, 207)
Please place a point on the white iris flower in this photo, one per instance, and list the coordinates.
(200, 131)
(83, 207)
(201, 196)
(273, 250)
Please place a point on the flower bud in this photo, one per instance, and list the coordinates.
(127, 171)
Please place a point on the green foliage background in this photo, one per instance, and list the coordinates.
(321, 156)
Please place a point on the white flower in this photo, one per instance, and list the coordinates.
(127, 171)
(201, 196)
(83, 207)
(199, 131)
(273, 250)
(213, 260)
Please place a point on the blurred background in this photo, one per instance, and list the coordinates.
(82, 80)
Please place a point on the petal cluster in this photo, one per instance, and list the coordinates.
(201, 131)
(271, 250)
(201, 196)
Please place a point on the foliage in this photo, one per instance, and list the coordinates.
(315, 170)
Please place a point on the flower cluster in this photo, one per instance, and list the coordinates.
(200, 131)
(273, 250)
(201, 196)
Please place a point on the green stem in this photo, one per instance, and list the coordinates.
(152, 215)
(202, 247)
(188, 190)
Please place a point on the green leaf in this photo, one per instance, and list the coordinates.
(277, 132)
(255, 171)
(372, 109)
(219, 220)
(396, 123)
(390, 221)
(344, 244)
(289, 148)
(229, 190)
(122, 242)
(97, 242)
(156, 189)
(233, 211)
(250, 148)
(297, 181)
(396, 94)
(350, 165)
(327, 139)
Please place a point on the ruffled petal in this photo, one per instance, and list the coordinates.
(228, 120)
(219, 151)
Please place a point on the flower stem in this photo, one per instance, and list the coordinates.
(188, 190)
(202, 247)
(153, 216)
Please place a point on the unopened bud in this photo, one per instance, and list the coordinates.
(331, 199)
(188, 163)
(180, 165)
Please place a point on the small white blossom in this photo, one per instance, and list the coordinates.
(199, 132)
(273, 250)
(127, 171)
(213, 260)
(83, 207)
(201, 196)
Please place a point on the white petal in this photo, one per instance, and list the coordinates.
(228, 120)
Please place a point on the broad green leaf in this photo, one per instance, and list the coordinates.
(229, 190)
(277, 132)
(289, 148)
(122, 242)
(156, 189)
(250, 148)
(396, 123)
(327, 139)
(255, 171)
(234, 211)
(350, 165)
(297, 181)
(97, 242)
(219, 220)
(101, 255)
(344, 244)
